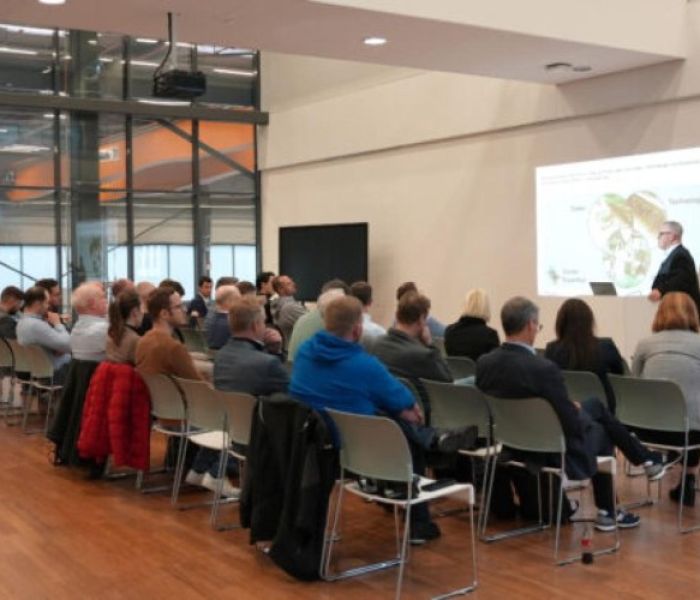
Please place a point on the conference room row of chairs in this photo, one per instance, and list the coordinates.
(222, 421)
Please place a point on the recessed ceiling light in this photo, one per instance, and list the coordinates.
(581, 68)
(52, 2)
(375, 41)
(558, 66)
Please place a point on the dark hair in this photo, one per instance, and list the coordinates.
(574, 327)
(119, 312)
(226, 280)
(48, 284)
(517, 313)
(158, 300)
(203, 279)
(35, 294)
(246, 287)
(11, 293)
(412, 306)
(409, 286)
(263, 278)
(176, 286)
(120, 285)
(336, 284)
(362, 291)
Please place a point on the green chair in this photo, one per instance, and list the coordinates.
(582, 385)
(454, 406)
(439, 343)
(461, 366)
(656, 404)
(7, 370)
(414, 390)
(376, 448)
(194, 340)
(531, 425)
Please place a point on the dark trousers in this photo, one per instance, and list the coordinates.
(672, 438)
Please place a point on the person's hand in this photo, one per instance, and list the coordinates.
(655, 295)
(412, 415)
(577, 404)
(54, 319)
(194, 314)
(425, 336)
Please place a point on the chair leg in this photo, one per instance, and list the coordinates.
(179, 468)
(404, 548)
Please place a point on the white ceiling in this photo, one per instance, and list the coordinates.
(511, 39)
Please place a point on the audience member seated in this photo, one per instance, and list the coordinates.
(216, 327)
(125, 316)
(43, 327)
(11, 300)
(158, 352)
(121, 285)
(370, 330)
(263, 285)
(199, 306)
(285, 309)
(437, 329)
(312, 322)
(332, 370)
(242, 365)
(144, 289)
(407, 348)
(470, 336)
(578, 349)
(88, 339)
(246, 288)
(54, 291)
(672, 352)
(515, 371)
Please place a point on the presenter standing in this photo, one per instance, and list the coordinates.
(677, 271)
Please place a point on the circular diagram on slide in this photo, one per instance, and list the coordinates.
(624, 229)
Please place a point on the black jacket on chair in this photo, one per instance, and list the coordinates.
(290, 472)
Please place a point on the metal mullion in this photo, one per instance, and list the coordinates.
(196, 217)
(57, 213)
(129, 165)
(257, 90)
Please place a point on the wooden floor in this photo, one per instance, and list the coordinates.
(64, 537)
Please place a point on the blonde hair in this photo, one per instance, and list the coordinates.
(226, 294)
(476, 304)
(676, 311)
(342, 314)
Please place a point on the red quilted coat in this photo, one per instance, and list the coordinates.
(116, 417)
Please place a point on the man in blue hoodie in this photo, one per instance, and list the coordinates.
(332, 370)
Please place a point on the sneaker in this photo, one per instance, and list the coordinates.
(625, 520)
(422, 532)
(194, 478)
(451, 440)
(655, 468)
(227, 490)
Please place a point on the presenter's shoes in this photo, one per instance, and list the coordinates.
(656, 468)
(227, 490)
(423, 531)
(448, 441)
(625, 520)
(688, 494)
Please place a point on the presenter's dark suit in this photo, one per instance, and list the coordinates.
(513, 371)
(677, 274)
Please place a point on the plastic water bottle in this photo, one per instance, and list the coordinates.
(587, 544)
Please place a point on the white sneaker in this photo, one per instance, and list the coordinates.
(227, 490)
(194, 478)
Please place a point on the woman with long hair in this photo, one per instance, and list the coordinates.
(470, 336)
(125, 316)
(578, 349)
(672, 352)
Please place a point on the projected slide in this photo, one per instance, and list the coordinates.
(598, 220)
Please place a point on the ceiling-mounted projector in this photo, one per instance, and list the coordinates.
(171, 82)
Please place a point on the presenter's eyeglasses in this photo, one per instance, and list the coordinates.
(665, 233)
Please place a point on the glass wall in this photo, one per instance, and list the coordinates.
(86, 194)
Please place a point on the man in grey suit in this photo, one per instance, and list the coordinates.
(242, 365)
(407, 348)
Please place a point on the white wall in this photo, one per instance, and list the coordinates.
(442, 168)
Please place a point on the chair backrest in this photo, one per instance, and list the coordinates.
(413, 389)
(582, 385)
(194, 340)
(166, 398)
(650, 403)
(454, 405)
(373, 447)
(527, 424)
(204, 408)
(6, 359)
(40, 364)
(239, 410)
(439, 343)
(21, 357)
(461, 366)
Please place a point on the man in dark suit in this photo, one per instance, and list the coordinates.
(515, 371)
(199, 306)
(677, 272)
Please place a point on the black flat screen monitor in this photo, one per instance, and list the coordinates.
(314, 254)
(603, 288)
